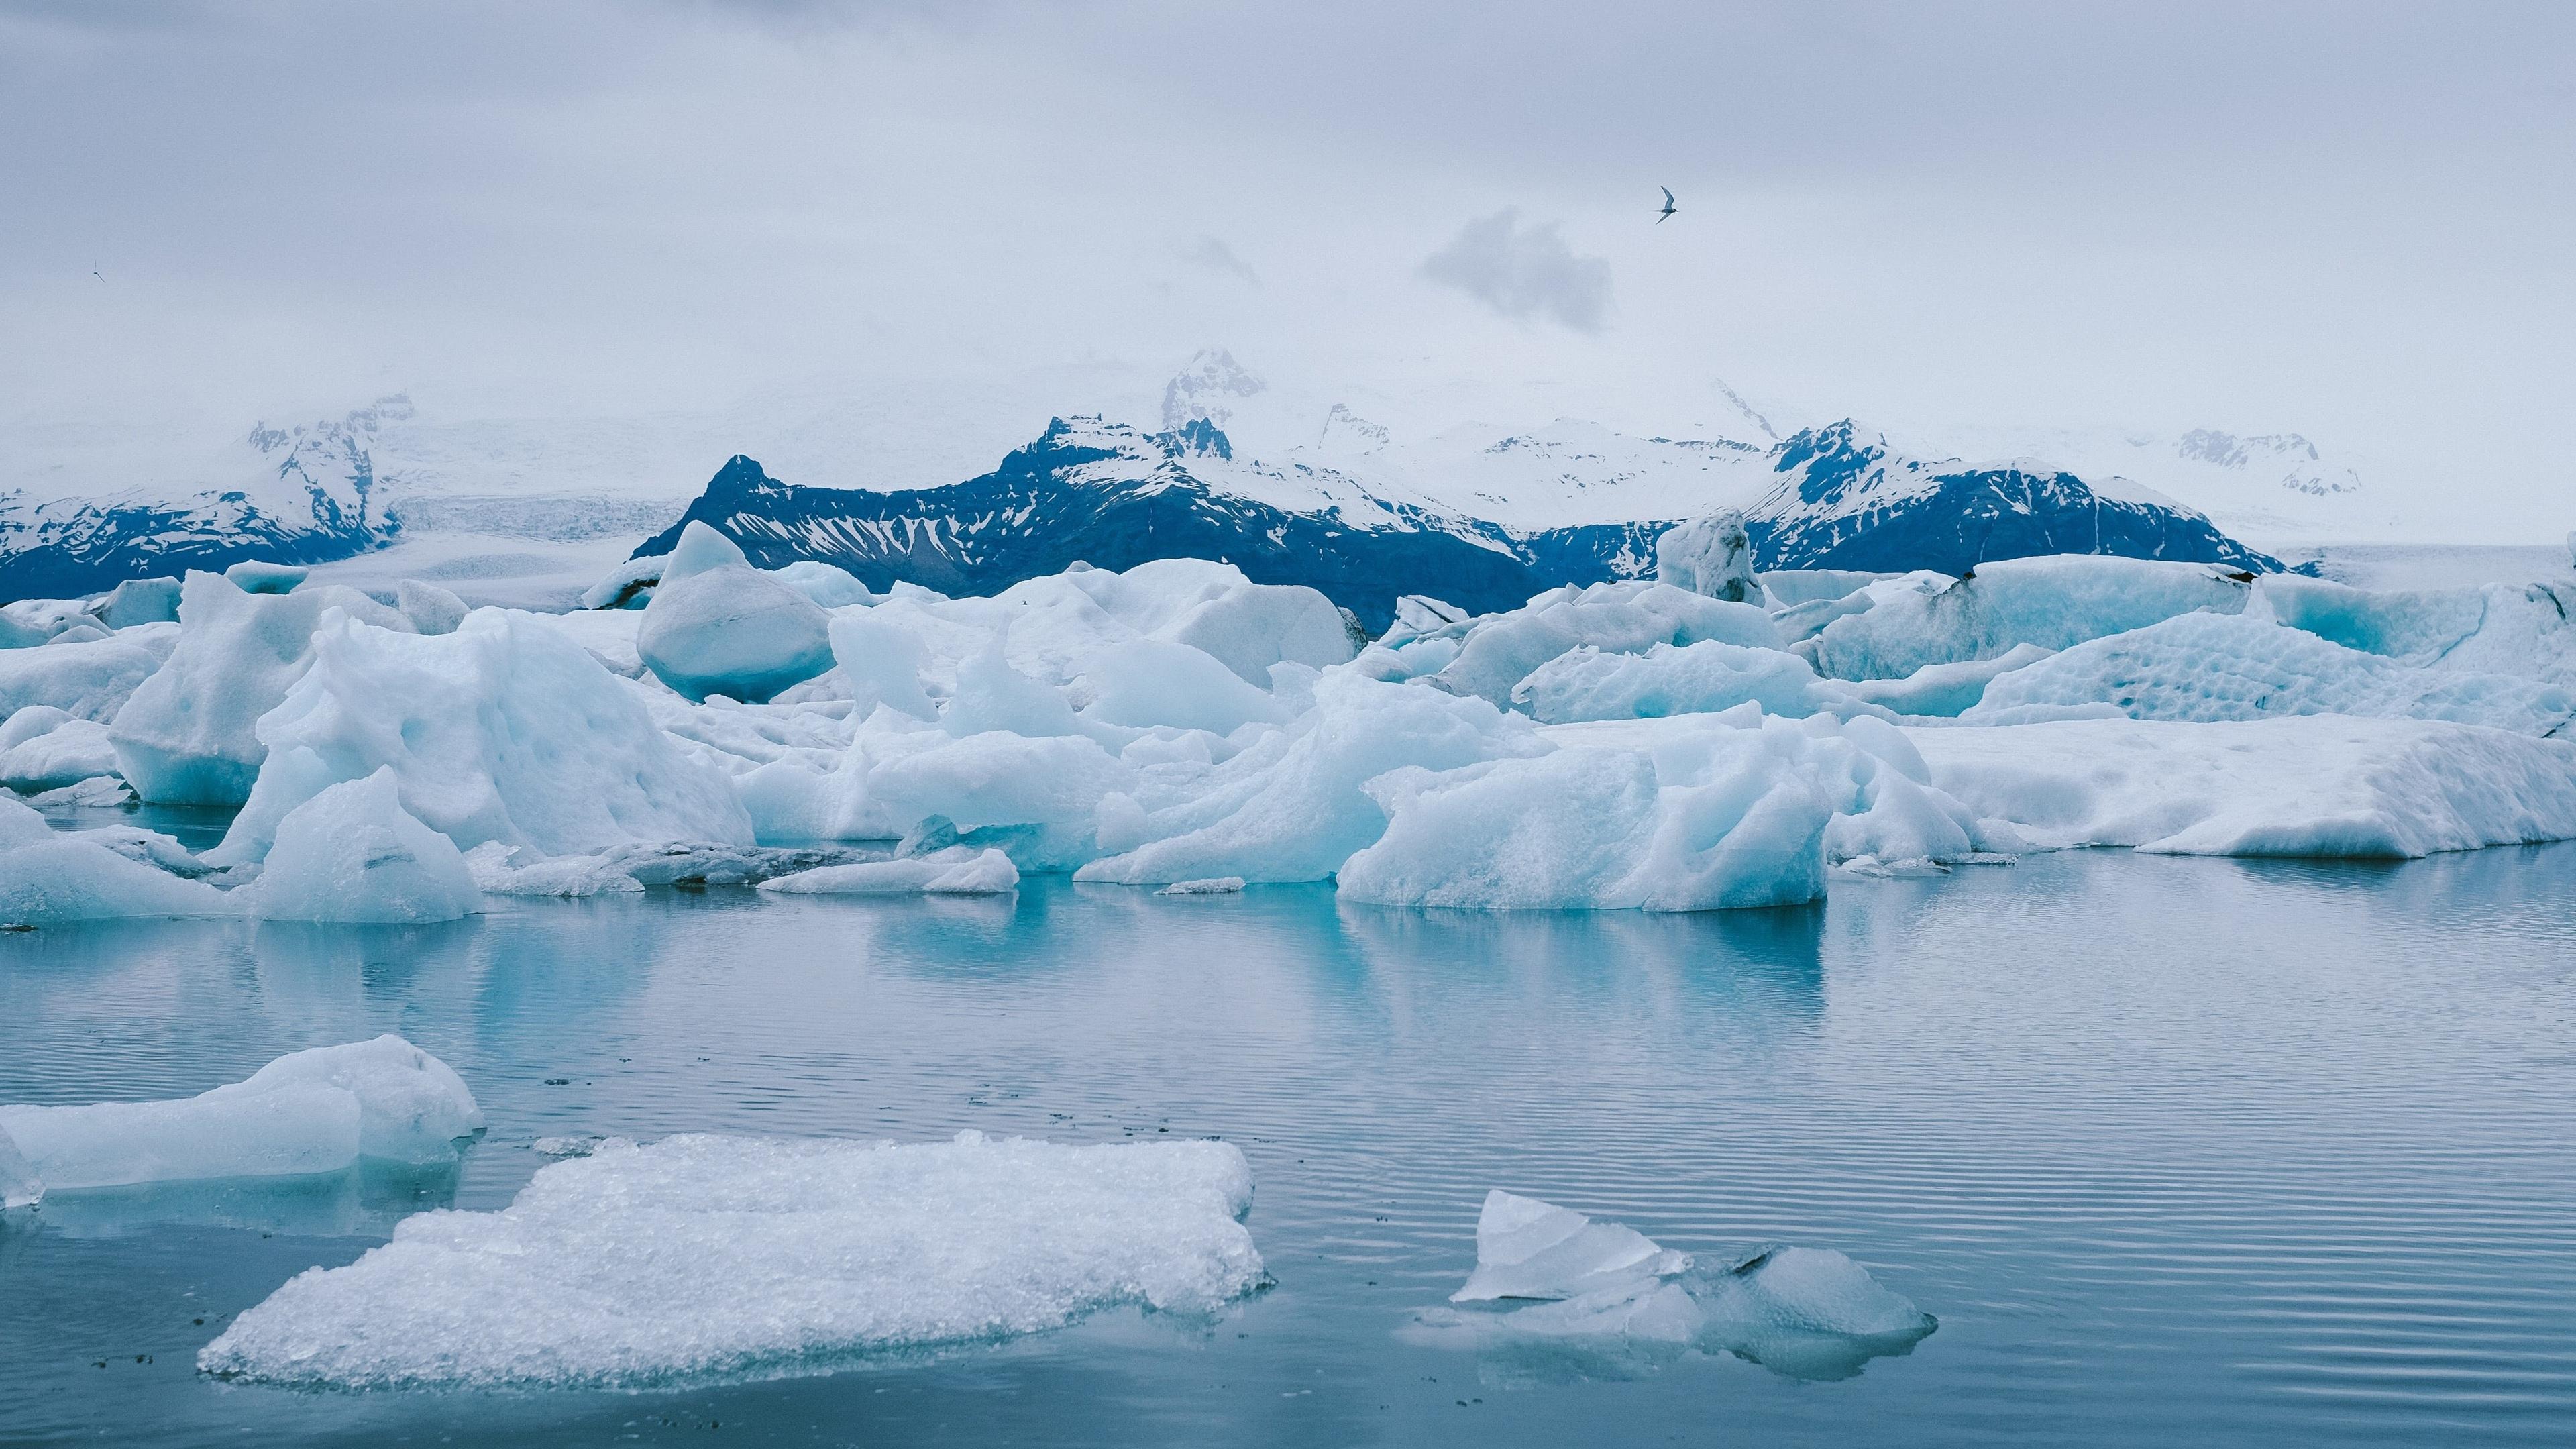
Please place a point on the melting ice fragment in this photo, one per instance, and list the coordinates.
(1806, 1312)
(1526, 1248)
(736, 1256)
(307, 1112)
(960, 870)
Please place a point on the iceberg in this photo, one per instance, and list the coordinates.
(503, 730)
(140, 601)
(2310, 785)
(1500, 650)
(1526, 1248)
(19, 1185)
(722, 1257)
(1711, 556)
(956, 871)
(1294, 808)
(45, 748)
(1703, 678)
(59, 879)
(2205, 667)
(2052, 602)
(1733, 821)
(88, 680)
(717, 625)
(311, 1111)
(188, 735)
(1806, 1312)
(353, 854)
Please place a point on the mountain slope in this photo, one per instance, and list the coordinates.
(1113, 496)
(298, 495)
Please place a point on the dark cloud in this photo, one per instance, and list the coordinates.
(1524, 271)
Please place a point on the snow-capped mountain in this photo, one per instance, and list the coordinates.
(298, 494)
(2276, 488)
(1369, 494)
(1114, 496)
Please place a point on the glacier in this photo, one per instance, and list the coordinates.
(711, 1257)
(1626, 745)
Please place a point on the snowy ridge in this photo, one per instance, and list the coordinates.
(302, 494)
(1365, 533)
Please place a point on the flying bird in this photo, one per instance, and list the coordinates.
(1669, 208)
(93, 271)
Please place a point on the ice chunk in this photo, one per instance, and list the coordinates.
(1526, 1248)
(90, 679)
(830, 587)
(1734, 821)
(563, 875)
(19, 1185)
(2052, 602)
(1711, 556)
(1791, 587)
(730, 629)
(1502, 649)
(254, 577)
(2316, 785)
(431, 609)
(704, 1256)
(64, 878)
(352, 853)
(1224, 885)
(2202, 667)
(504, 730)
(306, 1112)
(141, 601)
(1701, 678)
(188, 735)
(882, 661)
(1294, 809)
(1807, 1312)
(1145, 682)
(20, 826)
(1941, 690)
(42, 748)
(957, 871)
(700, 549)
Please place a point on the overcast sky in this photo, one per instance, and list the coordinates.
(2346, 219)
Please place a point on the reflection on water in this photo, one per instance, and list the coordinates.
(362, 1201)
(2176, 1150)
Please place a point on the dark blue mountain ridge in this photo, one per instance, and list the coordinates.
(1114, 497)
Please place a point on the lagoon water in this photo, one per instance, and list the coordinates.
(2178, 1151)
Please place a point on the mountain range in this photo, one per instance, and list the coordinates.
(1219, 462)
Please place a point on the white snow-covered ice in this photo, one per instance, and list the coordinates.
(711, 1256)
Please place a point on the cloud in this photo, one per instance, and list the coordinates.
(1524, 272)
(1216, 256)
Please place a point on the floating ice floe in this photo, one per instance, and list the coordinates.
(2048, 602)
(713, 1257)
(353, 854)
(19, 1185)
(51, 879)
(1224, 885)
(307, 1112)
(1606, 1288)
(90, 679)
(2315, 785)
(957, 871)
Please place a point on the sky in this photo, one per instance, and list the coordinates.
(2348, 220)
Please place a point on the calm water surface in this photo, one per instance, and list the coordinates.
(2177, 1151)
